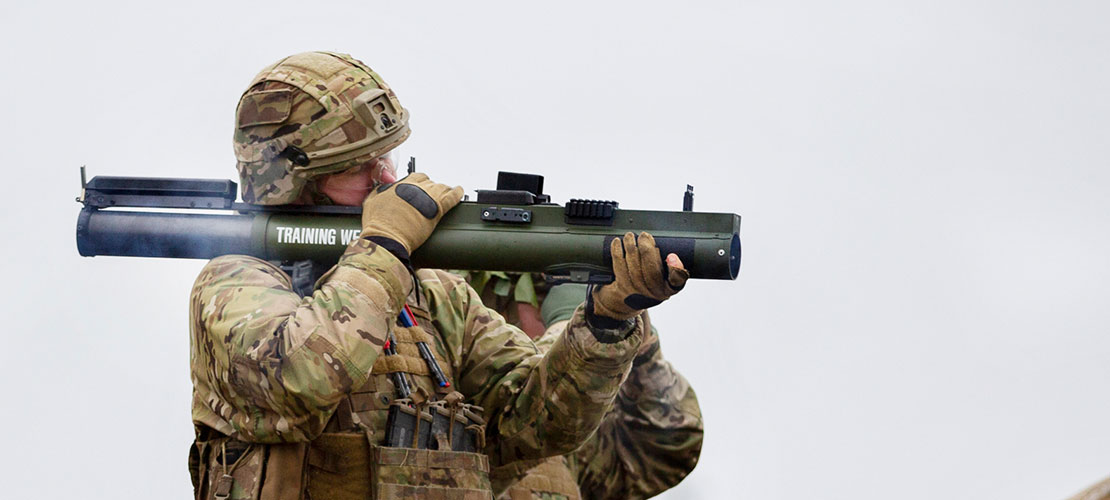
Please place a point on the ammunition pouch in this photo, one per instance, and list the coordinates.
(223, 468)
(429, 450)
(442, 426)
(448, 475)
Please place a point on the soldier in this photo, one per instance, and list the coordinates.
(648, 441)
(301, 395)
(516, 296)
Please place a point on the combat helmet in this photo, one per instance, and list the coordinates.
(309, 115)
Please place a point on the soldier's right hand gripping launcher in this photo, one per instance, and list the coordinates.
(512, 228)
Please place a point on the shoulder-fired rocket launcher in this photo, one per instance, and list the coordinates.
(512, 228)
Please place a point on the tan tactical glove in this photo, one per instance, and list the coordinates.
(641, 280)
(406, 211)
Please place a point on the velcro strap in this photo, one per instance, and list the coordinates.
(411, 334)
(408, 358)
(400, 363)
(432, 459)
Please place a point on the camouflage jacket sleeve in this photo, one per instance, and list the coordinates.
(537, 405)
(269, 366)
(651, 438)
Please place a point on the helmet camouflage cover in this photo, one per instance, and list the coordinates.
(309, 115)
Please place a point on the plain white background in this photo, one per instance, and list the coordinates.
(921, 311)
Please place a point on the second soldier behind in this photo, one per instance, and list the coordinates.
(648, 441)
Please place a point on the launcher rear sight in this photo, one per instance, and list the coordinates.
(513, 228)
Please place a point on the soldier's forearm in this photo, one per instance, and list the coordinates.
(375, 272)
(565, 395)
(656, 419)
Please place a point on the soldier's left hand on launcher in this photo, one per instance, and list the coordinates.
(641, 278)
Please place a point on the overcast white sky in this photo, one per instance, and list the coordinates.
(922, 307)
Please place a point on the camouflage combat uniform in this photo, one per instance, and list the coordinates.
(649, 440)
(504, 291)
(296, 391)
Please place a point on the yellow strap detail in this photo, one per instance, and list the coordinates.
(411, 335)
(400, 363)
